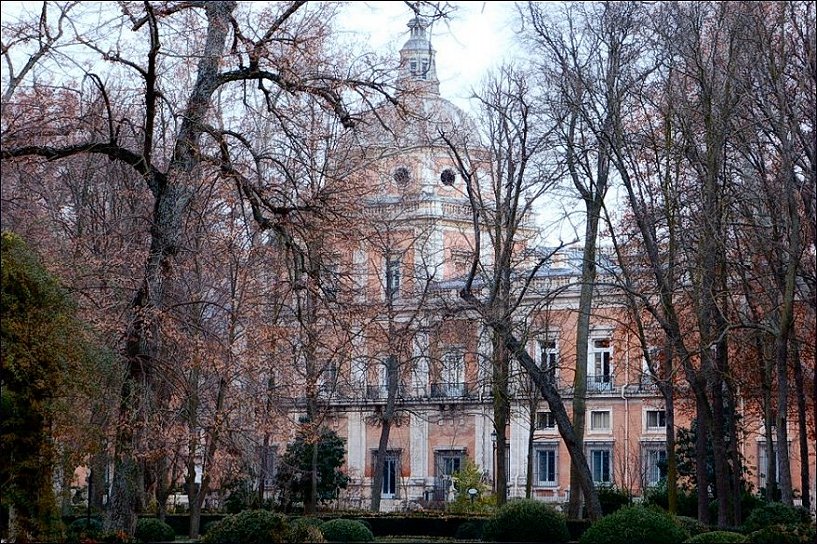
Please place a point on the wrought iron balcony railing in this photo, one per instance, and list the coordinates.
(449, 389)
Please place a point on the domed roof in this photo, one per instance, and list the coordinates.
(423, 116)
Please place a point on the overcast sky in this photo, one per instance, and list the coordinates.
(476, 37)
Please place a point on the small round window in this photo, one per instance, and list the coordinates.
(401, 176)
(448, 176)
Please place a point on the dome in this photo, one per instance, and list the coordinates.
(422, 116)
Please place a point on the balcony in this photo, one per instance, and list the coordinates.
(449, 389)
(599, 384)
(381, 392)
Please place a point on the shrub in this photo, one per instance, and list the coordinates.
(612, 499)
(526, 520)
(635, 524)
(308, 521)
(154, 530)
(85, 529)
(796, 533)
(716, 537)
(248, 527)
(346, 530)
(469, 530)
(303, 532)
(691, 525)
(687, 504)
(775, 513)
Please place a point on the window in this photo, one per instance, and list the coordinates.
(600, 420)
(452, 376)
(549, 358)
(401, 176)
(599, 373)
(545, 421)
(448, 177)
(268, 454)
(391, 473)
(392, 276)
(449, 462)
(656, 420)
(762, 461)
(380, 389)
(330, 281)
(655, 464)
(446, 464)
(329, 378)
(600, 458)
(545, 468)
(647, 378)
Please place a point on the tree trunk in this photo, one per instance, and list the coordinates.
(769, 421)
(554, 401)
(593, 207)
(530, 461)
(667, 388)
(701, 476)
(781, 424)
(800, 393)
(501, 369)
(393, 380)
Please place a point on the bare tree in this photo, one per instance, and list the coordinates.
(518, 169)
(236, 55)
(591, 53)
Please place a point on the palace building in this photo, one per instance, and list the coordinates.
(417, 356)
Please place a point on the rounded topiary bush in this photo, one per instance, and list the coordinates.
(84, 528)
(302, 532)
(526, 520)
(346, 530)
(795, 533)
(691, 525)
(635, 524)
(775, 513)
(248, 527)
(717, 537)
(309, 521)
(154, 530)
(613, 499)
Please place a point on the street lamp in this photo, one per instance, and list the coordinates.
(493, 459)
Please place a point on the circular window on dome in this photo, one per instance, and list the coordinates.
(448, 176)
(401, 176)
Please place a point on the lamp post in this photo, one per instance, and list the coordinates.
(493, 460)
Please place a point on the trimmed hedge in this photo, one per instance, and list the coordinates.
(775, 513)
(346, 530)
(154, 530)
(798, 533)
(470, 530)
(717, 537)
(635, 524)
(248, 527)
(526, 520)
